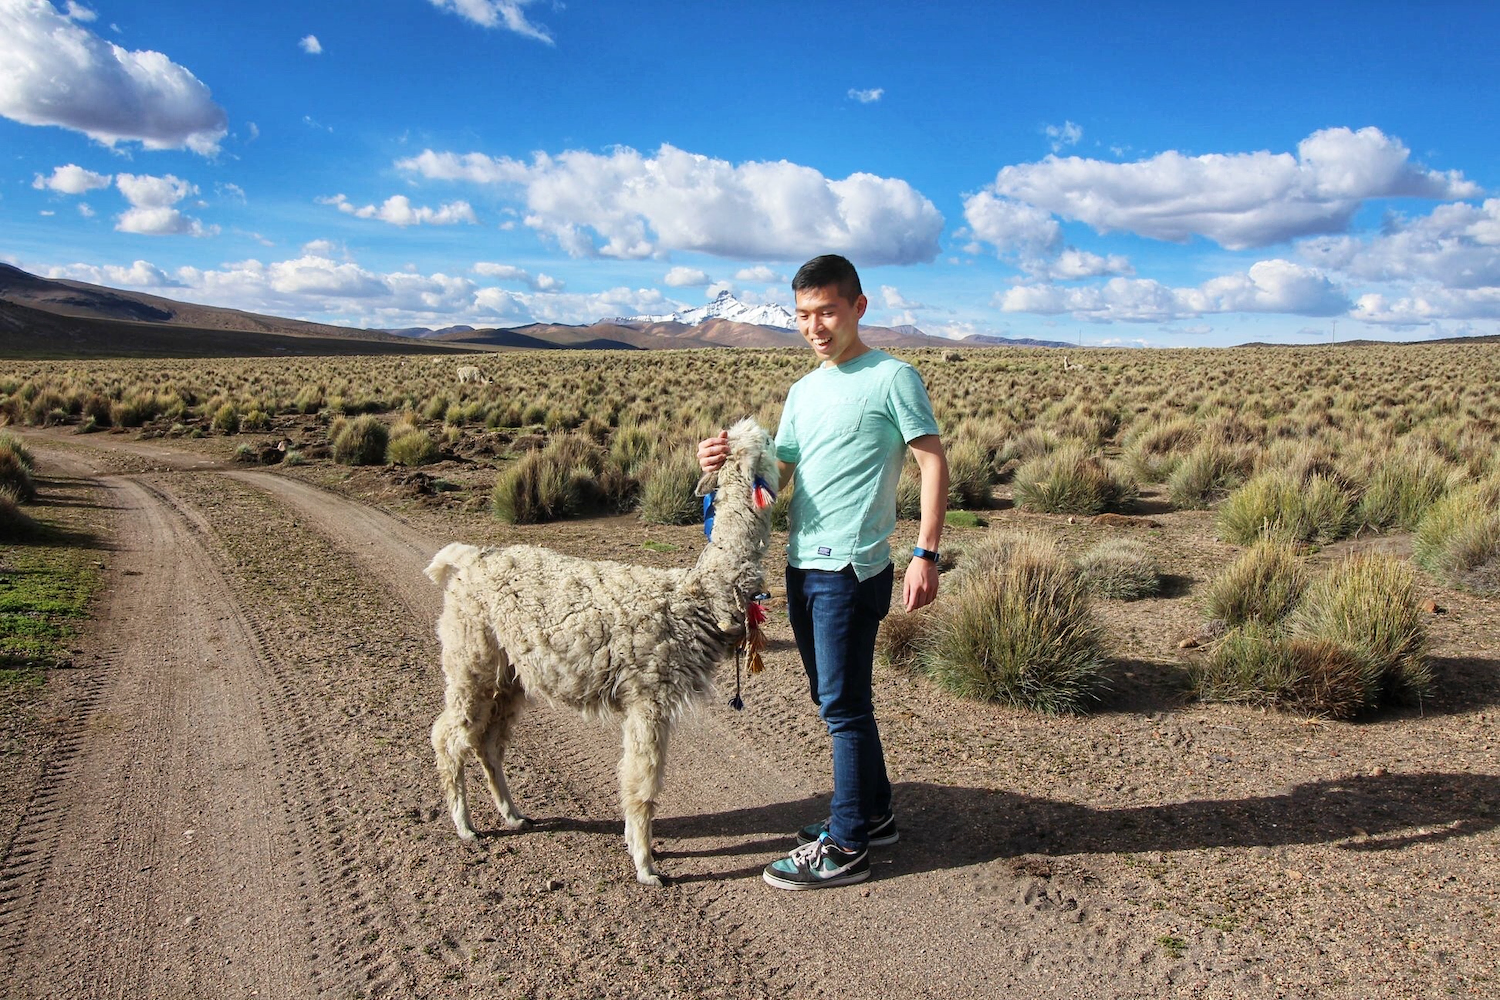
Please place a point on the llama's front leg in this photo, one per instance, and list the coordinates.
(450, 744)
(496, 739)
(645, 746)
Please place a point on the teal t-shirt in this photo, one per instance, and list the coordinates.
(846, 428)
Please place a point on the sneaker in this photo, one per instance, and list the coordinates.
(818, 865)
(882, 831)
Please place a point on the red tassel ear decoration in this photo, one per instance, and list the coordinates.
(762, 493)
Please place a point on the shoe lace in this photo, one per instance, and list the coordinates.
(808, 854)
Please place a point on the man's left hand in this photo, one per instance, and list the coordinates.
(921, 584)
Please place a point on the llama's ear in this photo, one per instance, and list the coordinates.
(708, 483)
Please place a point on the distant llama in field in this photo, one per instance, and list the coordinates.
(470, 373)
(632, 643)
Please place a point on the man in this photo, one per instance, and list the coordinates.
(844, 432)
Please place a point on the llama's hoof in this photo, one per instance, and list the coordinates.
(518, 823)
(466, 835)
(650, 878)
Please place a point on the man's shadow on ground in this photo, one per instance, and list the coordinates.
(944, 826)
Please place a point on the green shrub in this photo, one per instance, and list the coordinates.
(1155, 452)
(1207, 475)
(667, 495)
(909, 493)
(361, 441)
(1256, 664)
(1123, 569)
(1023, 634)
(16, 469)
(564, 479)
(896, 643)
(1277, 504)
(1366, 605)
(995, 549)
(226, 419)
(13, 520)
(632, 448)
(1458, 539)
(1401, 489)
(410, 446)
(1263, 585)
(17, 447)
(781, 510)
(1070, 480)
(969, 483)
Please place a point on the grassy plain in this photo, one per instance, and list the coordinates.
(1308, 446)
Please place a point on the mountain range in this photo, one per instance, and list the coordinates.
(46, 317)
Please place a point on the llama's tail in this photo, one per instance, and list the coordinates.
(453, 557)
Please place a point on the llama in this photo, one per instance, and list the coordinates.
(632, 643)
(470, 373)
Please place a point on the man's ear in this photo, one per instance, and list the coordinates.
(860, 305)
(707, 484)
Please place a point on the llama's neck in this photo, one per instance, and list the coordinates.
(728, 572)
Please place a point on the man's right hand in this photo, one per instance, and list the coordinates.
(713, 451)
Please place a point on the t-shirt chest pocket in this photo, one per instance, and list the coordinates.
(842, 414)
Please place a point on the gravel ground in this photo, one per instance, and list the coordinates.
(231, 794)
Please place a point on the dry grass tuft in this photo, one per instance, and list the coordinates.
(1021, 633)
(1262, 585)
(1123, 569)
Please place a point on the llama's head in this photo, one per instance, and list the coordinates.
(752, 456)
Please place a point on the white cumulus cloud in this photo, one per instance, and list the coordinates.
(1457, 246)
(507, 14)
(311, 45)
(399, 211)
(759, 273)
(509, 272)
(641, 206)
(1012, 226)
(686, 277)
(1073, 264)
(1238, 200)
(1269, 286)
(72, 179)
(153, 212)
(53, 71)
(893, 299)
(141, 274)
(869, 96)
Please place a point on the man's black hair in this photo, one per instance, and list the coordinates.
(829, 269)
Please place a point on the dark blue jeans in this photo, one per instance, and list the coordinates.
(835, 617)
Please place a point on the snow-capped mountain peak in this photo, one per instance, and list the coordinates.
(724, 306)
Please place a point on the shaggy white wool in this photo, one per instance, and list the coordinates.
(604, 638)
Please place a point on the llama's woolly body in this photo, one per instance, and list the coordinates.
(603, 638)
(572, 629)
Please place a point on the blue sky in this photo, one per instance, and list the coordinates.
(1162, 174)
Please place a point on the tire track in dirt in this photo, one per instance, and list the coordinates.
(160, 812)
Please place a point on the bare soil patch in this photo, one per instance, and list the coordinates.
(232, 794)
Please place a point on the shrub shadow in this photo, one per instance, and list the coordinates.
(1461, 684)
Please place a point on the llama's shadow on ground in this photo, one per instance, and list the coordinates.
(951, 827)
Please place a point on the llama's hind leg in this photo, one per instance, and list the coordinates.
(645, 753)
(452, 742)
(496, 739)
(469, 660)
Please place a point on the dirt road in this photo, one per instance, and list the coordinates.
(238, 801)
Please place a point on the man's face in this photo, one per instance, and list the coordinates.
(830, 323)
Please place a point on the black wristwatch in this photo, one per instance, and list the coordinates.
(921, 553)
